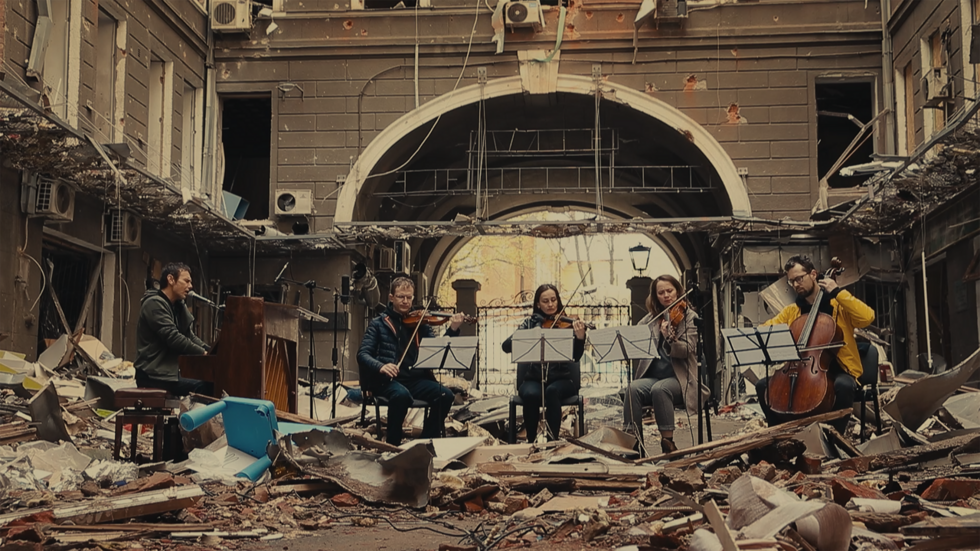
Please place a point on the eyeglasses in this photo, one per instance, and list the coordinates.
(403, 298)
(797, 280)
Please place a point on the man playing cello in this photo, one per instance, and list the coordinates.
(848, 313)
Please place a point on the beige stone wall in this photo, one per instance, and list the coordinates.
(746, 73)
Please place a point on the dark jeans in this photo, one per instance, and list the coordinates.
(844, 387)
(400, 395)
(180, 387)
(554, 393)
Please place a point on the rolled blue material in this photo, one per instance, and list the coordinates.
(190, 420)
(254, 471)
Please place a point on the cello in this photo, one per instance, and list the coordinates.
(802, 388)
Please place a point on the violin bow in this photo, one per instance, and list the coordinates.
(565, 305)
(672, 304)
(414, 333)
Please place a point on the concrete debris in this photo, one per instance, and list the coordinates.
(800, 485)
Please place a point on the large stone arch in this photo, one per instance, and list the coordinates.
(447, 247)
(573, 84)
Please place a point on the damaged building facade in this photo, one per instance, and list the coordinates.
(237, 136)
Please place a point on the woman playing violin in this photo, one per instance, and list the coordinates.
(561, 380)
(670, 378)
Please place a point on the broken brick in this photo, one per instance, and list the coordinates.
(763, 470)
(685, 481)
(344, 500)
(844, 490)
(951, 489)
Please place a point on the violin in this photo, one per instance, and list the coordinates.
(422, 317)
(802, 388)
(677, 313)
(563, 322)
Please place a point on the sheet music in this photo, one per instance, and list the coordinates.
(542, 345)
(749, 345)
(453, 353)
(628, 342)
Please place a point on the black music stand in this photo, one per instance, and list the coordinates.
(625, 343)
(767, 345)
(311, 368)
(450, 353)
(537, 345)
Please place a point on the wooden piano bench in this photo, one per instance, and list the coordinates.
(144, 406)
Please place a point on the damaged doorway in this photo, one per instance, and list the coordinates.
(70, 280)
(842, 109)
(246, 135)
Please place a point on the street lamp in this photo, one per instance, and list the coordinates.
(640, 257)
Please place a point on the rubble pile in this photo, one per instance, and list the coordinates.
(797, 486)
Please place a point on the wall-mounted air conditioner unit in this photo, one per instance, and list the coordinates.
(231, 15)
(47, 198)
(403, 258)
(421, 285)
(936, 87)
(294, 202)
(385, 259)
(524, 14)
(122, 229)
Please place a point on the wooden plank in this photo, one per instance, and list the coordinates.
(129, 527)
(118, 508)
(905, 456)
(580, 470)
(718, 523)
(763, 433)
(949, 526)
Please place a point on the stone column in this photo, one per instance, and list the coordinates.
(466, 290)
(639, 291)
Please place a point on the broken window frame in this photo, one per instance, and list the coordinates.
(159, 123)
(55, 56)
(108, 108)
(871, 133)
(191, 133)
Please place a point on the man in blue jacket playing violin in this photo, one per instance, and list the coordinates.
(386, 359)
(848, 313)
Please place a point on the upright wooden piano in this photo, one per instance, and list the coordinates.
(254, 355)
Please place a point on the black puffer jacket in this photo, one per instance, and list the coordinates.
(384, 342)
(556, 371)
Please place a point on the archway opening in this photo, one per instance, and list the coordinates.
(590, 271)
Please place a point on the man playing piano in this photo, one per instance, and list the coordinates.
(389, 351)
(164, 332)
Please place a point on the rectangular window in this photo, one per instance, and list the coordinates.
(103, 112)
(938, 64)
(190, 137)
(246, 136)
(842, 109)
(901, 116)
(909, 93)
(159, 124)
(54, 69)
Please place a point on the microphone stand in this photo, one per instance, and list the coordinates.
(311, 367)
(334, 355)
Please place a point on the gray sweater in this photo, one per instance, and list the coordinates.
(164, 332)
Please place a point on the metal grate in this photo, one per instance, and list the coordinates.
(224, 13)
(498, 376)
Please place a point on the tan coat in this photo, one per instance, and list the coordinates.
(683, 357)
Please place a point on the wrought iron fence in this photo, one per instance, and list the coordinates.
(498, 376)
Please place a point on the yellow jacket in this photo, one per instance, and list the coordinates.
(849, 313)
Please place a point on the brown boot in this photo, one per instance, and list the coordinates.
(667, 445)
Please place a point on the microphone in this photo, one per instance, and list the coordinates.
(207, 301)
(281, 272)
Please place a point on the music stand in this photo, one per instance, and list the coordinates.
(309, 316)
(628, 342)
(537, 345)
(767, 345)
(452, 353)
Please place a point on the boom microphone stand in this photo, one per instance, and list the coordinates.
(311, 286)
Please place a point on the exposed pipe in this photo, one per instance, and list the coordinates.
(925, 308)
(888, 75)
